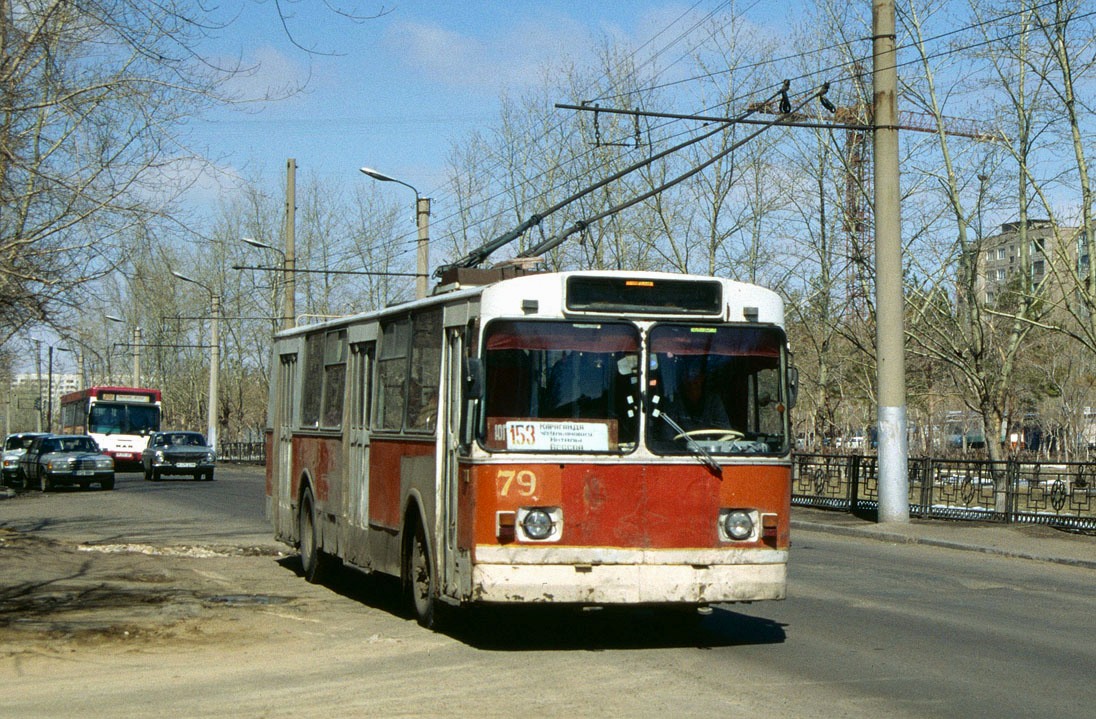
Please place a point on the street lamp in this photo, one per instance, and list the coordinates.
(289, 272)
(422, 221)
(49, 387)
(136, 349)
(214, 356)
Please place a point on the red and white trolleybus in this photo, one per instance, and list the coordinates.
(119, 419)
(592, 438)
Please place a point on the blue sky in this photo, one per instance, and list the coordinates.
(396, 92)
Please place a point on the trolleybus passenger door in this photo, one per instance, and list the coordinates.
(284, 517)
(361, 368)
(450, 437)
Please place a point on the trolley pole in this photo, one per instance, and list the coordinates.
(889, 303)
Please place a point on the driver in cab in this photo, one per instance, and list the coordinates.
(692, 402)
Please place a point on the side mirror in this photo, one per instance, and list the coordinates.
(793, 386)
(473, 378)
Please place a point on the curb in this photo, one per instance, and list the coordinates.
(896, 538)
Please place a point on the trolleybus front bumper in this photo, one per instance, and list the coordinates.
(621, 576)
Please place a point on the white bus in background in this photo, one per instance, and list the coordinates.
(120, 419)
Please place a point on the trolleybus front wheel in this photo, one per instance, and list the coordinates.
(421, 580)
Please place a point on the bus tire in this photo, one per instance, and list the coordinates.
(421, 581)
(315, 563)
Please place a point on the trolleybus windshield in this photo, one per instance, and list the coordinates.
(719, 386)
(556, 386)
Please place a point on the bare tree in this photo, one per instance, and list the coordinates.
(91, 96)
(94, 95)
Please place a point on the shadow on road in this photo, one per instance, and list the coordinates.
(560, 628)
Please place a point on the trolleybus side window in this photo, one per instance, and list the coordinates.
(312, 391)
(422, 392)
(325, 379)
(392, 374)
(334, 378)
(408, 372)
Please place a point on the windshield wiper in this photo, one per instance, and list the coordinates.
(705, 457)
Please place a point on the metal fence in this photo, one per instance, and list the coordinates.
(242, 452)
(1057, 494)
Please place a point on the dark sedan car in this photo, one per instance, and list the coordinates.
(56, 459)
(178, 453)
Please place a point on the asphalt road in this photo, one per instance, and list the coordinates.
(870, 629)
(174, 510)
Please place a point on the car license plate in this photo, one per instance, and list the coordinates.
(186, 464)
(85, 472)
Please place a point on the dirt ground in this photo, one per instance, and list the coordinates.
(137, 631)
(131, 630)
(55, 594)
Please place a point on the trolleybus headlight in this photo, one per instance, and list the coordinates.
(738, 524)
(537, 524)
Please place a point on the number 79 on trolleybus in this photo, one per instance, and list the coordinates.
(587, 438)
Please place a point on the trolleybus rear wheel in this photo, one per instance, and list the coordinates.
(314, 561)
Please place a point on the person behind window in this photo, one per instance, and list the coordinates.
(577, 386)
(694, 401)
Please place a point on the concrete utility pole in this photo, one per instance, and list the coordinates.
(214, 357)
(422, 265)
(889, 303)
(136, 349)
(214, 370)
(136, 356)
(289, 312)
(38, 369)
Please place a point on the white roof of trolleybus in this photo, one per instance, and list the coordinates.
(505, 298)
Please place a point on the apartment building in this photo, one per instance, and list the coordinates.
(1001, 258)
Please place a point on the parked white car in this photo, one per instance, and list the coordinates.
(15, 446)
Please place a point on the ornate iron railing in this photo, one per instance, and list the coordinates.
(1061, 494)
(243, 452)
